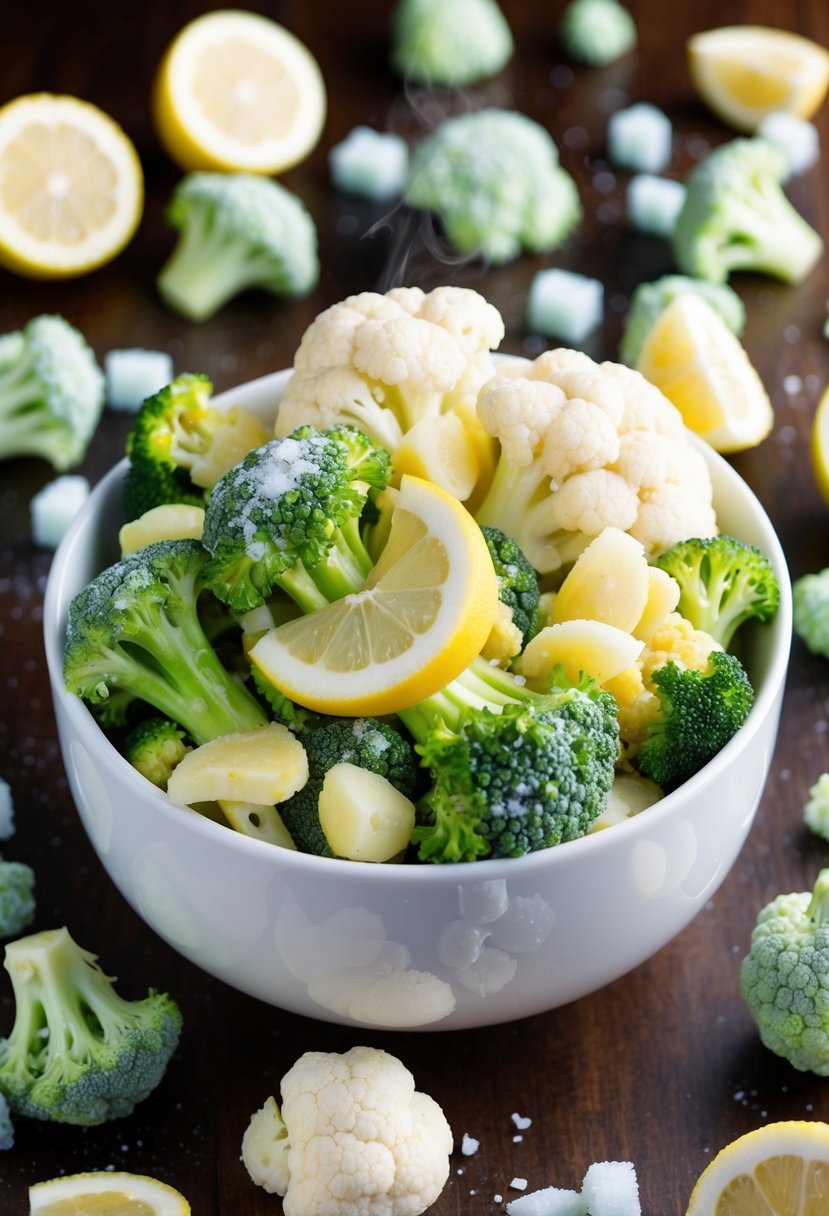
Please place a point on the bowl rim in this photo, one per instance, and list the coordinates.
(482, 870)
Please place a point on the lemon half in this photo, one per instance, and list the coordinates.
(781, 1169)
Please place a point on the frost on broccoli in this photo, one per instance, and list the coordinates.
(237, 231)
(597, 32)
(17, 900)
(154, 747)
(452, 44)
(51, 393)
(736, 217)
(650, 300)
(494, 181)
(810, 605)
(78, 1052)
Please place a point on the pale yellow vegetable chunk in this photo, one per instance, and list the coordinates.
(663, 597)
(264, 766)
(439, 450)
(260, 822)
(363, 816)
(629, 795)
(593, 647)
(608, 582)
(172, 521)
(231, 444)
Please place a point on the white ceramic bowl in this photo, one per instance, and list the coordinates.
(414, 946)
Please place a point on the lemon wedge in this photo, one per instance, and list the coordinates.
(425, 613)
(781, 1169)
(71, 187)
(698, 363)
(106, 1193)
(237, 92)
(744, 72)
(820, 445)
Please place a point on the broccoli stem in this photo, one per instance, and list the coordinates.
(342, 572)
(818, 909)
(26, 428)
(482, 685)
(512, 493)
(773, 237)
(206, 269)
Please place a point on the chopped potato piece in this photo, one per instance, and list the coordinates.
(261, 822)
(231, 444)
(363, 816)
(609, 583)
(263, 766)
(439, 450)
(172, 521)
(663, 597)
(593, 647)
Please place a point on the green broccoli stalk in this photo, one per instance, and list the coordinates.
(736, 217)
(810, 610)
(723, 582)
(513, 770)
(288, 516)
(179, 445)
(237, 231)
(517, 582)
(453, 44)
(494, 181)
(597, 32)
(17, 901)
(784, 977)
(650, 300)
(135, 630)
(363, 742)
(51, 393)
(699, 711)
(154, 747)
(78, 1052)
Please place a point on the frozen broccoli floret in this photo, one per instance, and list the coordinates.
(810, 605)
(453, 44)
(154, 747)
(370, 164)
(237, 231)
(597, 32)
(6, 1128)
(654, 203)
(650, 300)
(134, 375)
(54, 507)
(494, 181)
(17, 900)
(816, 807)
(640, 138)
(796, 138)
(564, 305)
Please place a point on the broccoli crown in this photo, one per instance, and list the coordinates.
(154, 747)
(51, 393)
(810, 608)
(783, 977)
(517, 581)
(699, 711)
(494, 180)
(597, 31)
(736, 217)
(238, 231)
(723, 582)
(650, 300)
(17, 901)
(364, 742)
(288, 515)
(78, 1052)
(168, 432)
(449, 44)
(135, 630)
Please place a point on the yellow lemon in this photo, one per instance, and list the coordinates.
(744, 72)
(781, 1169)
(820, 445)
(425, 613)
(71, 187)
(237, 92)
(698, 363)
(106, 1193)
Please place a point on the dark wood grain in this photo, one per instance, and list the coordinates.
(662, 1067)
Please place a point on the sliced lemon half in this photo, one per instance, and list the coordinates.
(781, 1169)
(426, 612)
(744, 72)
(106, 1193)
(71, 186)
(237, 92)
(698, 363)
(820, 445)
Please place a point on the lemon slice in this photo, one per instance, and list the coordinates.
(744, 72)
(426, 611)
(820, 445)
(237, 92)
(106, 1193)
(698, 363)
(781, 1169)
(71, 187)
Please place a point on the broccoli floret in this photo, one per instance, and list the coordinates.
(723, 582)
(597, 32)
(6, 1126)
(180, 444)
(237, 231)
(135, 630)
(453, 44)
(78, 1052)
(288, 516)
(494, 180)
(17, 901)
(816, 807)
(810, 607)
(517, 582)
(296, 717)
(699, 711)
(650, 300)
(513, 770)
(736, 217)
(154, 747)
(51, 393)
(363, 742)
(784, 977)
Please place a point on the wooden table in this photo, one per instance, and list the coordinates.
(664, 1066)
